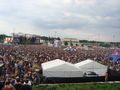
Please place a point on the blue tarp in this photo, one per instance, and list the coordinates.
(115, 55)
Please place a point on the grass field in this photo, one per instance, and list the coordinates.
(89, 86)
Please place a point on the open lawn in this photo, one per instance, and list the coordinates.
(88, 86)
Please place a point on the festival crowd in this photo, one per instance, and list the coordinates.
(20, 64)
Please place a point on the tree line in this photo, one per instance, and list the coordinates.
(24, 40)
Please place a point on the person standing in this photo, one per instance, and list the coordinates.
(1, 83)
(8, 86)
(106, 76)
(18, 84)
(26, 86)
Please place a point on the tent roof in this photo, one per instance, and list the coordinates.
(55, 63)
(52, 63)
(90, 65)
(88, 61)
(115, 55)
(83, 62)
(60, 68)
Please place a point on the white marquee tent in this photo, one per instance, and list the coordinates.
(90, 65)
(60, 68)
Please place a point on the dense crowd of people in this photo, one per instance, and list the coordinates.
(19, 64)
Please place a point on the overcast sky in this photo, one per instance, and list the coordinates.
(82, 19)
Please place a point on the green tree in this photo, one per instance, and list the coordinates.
(65, 43)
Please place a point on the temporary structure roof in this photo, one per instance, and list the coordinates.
(52, 63)
(93, 66)
(60, 68)
(83, 63)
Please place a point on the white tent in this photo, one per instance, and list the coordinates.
(59, 68)
(90, 65)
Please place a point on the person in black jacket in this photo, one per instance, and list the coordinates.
(18, 84)
(1, 83)
(26, 86)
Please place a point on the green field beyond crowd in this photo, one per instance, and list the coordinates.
(89, 86)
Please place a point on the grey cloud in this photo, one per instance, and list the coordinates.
(93, 16)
